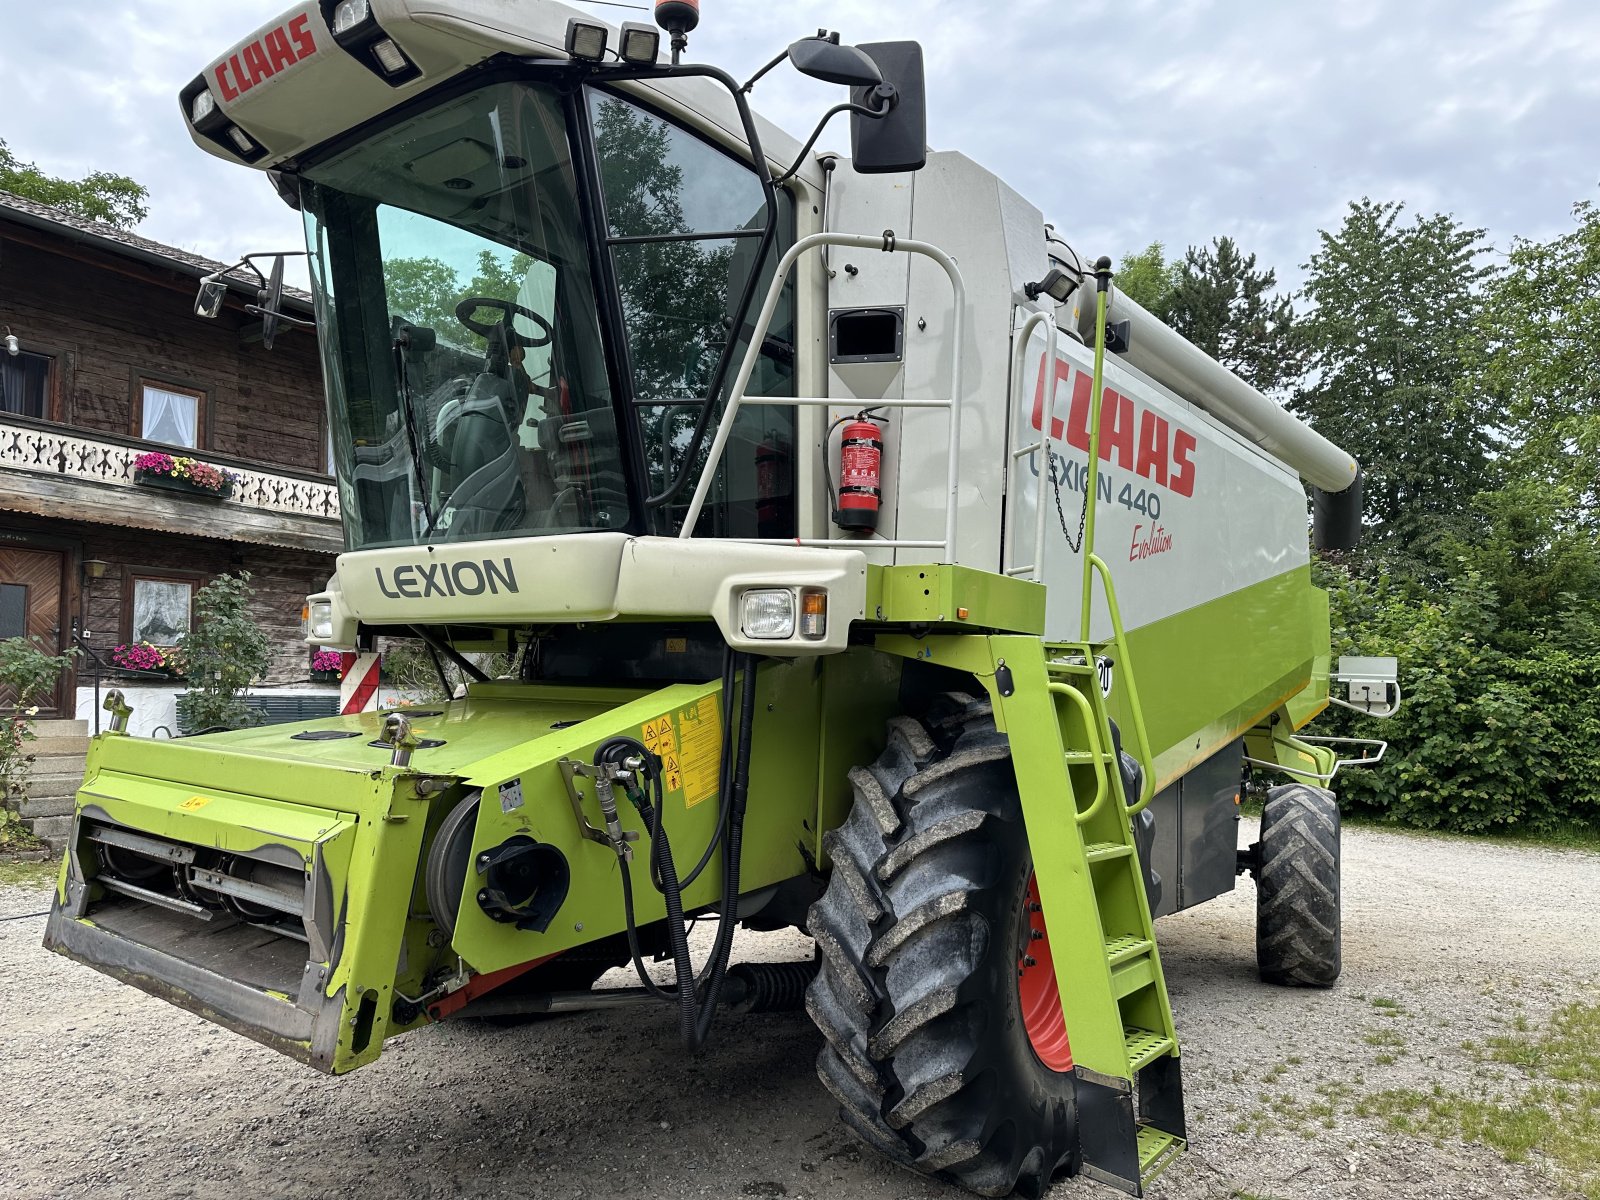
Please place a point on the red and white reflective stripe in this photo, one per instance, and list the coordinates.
(358, 683)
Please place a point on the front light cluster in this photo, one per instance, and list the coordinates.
(322, 620)
(775, 614)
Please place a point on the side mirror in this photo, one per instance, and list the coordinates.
(824, 59)
(272, 303)
(208, 302)
(898, 139)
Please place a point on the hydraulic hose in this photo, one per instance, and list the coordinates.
(612, 753)
(696, 998)
(732, 845)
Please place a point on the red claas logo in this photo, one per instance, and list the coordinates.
(1139, 439)
(265, 57)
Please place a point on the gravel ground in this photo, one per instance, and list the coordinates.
(110, 1093)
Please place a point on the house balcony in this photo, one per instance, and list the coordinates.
(73, 474)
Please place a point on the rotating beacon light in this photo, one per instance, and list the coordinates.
(679, 18)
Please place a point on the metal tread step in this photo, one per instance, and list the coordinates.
(1121, 949)
(1144, 1047)
(1157, 1151)
(1086, 756)
(1101, 851)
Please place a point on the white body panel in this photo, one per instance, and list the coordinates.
(1186, 512)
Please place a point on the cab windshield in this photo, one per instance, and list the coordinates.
(497, 364)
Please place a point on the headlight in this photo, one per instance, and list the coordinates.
(322, 620)
(203, 106)
(348, 14)
(767, 615)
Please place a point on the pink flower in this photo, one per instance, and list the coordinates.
(327, 660)
(155, 464)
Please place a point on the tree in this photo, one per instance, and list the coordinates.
(422, 290)
(102, 196)
(1225, 306)
(1148, 279)
(1388, 346)
(1538, 365)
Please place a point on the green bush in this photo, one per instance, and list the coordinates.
(1500, 729)
(223, 654)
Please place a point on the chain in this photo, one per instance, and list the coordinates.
(1083, 516)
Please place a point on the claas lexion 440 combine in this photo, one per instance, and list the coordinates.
(795, 487)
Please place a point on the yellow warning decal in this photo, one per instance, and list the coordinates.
(689, 745)
(699, 738)
(195, 802)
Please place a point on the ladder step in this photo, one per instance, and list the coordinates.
(1120, 950)
(1080, 669)
(1085, 756)
(1101, 851)
(1144, 1047)
(1131, 976)
(1157, 1151)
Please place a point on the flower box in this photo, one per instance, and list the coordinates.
(325, 676)
(176, 483)
(187, 475)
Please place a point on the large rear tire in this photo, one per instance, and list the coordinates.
(923, 930)
(1297, 888)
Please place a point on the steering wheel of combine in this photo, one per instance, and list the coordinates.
(467, 308)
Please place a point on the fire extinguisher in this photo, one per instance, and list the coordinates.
(860, 475)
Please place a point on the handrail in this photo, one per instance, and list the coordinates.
(1147, 759)
(889, 244)
(1095, 748)
(1019, 349)
(1338, 763)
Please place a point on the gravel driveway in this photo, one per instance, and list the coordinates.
(110, 1093)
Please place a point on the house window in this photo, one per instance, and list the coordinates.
(170, 414)
(13, 610)
(25, 384)
(159, 609)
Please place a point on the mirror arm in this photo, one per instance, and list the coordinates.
(876, 114)
(257, 311)
(764, 70)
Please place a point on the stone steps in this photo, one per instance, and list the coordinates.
(58, 749)
(44, 729)
(53, 830)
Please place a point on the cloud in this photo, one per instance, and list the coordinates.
(1169, 120)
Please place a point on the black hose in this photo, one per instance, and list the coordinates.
(732, 847)
(696, 998)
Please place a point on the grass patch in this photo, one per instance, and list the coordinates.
(1384, 1037)
(1558, 1116)
(28, 874)
(1385, 1002)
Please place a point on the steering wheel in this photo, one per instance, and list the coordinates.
(466, 309)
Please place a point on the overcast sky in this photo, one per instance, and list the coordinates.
(1126, 122)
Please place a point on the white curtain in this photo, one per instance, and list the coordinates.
(171, 417)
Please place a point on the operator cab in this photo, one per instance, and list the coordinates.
(527, 293)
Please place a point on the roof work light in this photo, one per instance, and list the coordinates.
(586, 40)
(641, 44)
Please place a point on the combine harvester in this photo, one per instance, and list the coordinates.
(769, 471)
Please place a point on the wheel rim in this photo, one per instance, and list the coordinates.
(1037, 989)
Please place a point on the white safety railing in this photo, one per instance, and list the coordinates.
(1047, 413)
(889, 244)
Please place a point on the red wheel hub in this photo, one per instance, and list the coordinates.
(1037, 988)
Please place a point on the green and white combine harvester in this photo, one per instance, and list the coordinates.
(768, 469)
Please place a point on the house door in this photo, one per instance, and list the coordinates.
(31, 596)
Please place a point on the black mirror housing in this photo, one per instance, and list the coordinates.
(830, 62)
(208, 302)
(898, 140)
